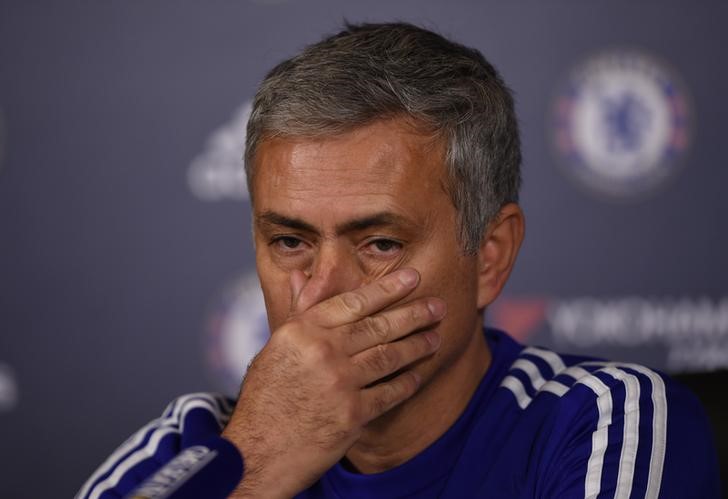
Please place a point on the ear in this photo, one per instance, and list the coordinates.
(497, 253)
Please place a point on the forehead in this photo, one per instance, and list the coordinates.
(390, 162)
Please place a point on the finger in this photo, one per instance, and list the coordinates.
(354, 305)
(383, 397)
(391, 325)
(382, 360)
(297, 282)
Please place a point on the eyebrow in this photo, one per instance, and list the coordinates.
(375, 220)
(273, 218)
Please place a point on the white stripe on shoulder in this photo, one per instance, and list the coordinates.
(659, 430)
(659, 425)
(630, 430)
(595, 464)
(552, 359)
(172, 416)
(531, 370)
(537, 381)
(604, 402)
(516, 387)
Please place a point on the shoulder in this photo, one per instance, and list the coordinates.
(538, 373)
(186, 421)
(611, 427)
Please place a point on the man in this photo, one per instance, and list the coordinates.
(383, 167)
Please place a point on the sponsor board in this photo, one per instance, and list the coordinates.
(691, 332)
(621, 124)
(685, 334)
(218, 172)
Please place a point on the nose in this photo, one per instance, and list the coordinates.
(334, 270)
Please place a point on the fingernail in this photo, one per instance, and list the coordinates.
(433, 339)
(408, 277)
(436, 307)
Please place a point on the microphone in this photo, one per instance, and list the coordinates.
(212, 470)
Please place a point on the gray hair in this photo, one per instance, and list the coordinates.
(369, 72)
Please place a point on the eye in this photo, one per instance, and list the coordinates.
(384, 247)
(287, 243)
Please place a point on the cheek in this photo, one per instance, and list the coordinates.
(455, 281)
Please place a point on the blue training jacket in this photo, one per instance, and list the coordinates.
(540, 425)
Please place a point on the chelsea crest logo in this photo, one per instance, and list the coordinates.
(237, 329)
(622, 123)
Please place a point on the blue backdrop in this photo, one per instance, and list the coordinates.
(126, 269)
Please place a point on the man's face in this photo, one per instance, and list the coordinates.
(348, 209)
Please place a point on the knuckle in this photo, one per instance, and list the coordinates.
(383, 402)
(319, 352)
(354, 302)
(392, 393)
(378, 327)
(287, 333)
(410, 384)
(380, 405)
(384, 359)
(329, 379)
